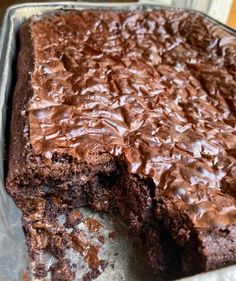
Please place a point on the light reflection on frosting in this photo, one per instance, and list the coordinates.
(157, 86)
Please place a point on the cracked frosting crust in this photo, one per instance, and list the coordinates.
(158, 87)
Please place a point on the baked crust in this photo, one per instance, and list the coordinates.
(185, 198)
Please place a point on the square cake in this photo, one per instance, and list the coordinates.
(128, 112)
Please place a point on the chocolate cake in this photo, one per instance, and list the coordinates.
(131, 112)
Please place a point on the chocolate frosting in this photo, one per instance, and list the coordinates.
(158, 87)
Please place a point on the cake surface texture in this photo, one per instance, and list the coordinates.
(132, 112)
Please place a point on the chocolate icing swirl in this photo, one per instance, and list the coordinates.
(158, 87)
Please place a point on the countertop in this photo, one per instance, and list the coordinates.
(220, 9)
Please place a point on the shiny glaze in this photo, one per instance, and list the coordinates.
(88, 251)
(158, 87)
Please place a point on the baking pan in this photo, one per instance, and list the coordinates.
(13, 253)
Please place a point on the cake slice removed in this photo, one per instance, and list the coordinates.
(128, 112)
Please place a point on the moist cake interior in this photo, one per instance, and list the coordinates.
(133, 113)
